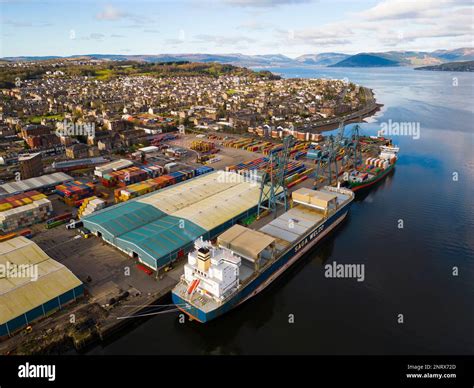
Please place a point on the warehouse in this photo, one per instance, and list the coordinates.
(40, 183)
(159, 227)
(116, 165)
(47, 287)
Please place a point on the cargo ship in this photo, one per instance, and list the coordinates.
(242, 262)
(374, 170)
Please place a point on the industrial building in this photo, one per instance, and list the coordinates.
(76, 164)
(32, 285)
(31, 165)
(159, 227)
(40, 183)
(116, 165)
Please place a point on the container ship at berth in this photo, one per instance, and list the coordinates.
(374, 170)
(243, 261)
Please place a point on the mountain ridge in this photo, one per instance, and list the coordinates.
(402, 58)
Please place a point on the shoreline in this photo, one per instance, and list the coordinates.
(371, 108)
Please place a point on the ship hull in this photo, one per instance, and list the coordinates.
(373, 181)
(269, 275)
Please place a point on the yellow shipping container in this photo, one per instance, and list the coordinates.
(5, 206)
(37, 197)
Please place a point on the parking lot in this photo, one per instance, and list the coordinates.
(227, 156)
(105, 271)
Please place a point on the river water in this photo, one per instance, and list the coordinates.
(409, 271)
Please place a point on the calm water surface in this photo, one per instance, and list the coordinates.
(407, 271)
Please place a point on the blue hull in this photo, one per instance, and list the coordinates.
(266, 277)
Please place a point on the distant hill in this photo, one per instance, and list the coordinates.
(450, 66)
(323, 59)
(409, 58)
(401, 58)
(366, 60)
(461, 54)
(232, 59)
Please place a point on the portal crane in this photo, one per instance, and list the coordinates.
(273, 190)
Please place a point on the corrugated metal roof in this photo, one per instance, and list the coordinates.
(161, 237)
(180, 196)
(115, 165)
(79, 162)
(36, 183)
(222, 206)
(18, 295)
(162, 222)
(122, 218)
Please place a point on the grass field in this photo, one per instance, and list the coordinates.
(104, 74)
(37, 119)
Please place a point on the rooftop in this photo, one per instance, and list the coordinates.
(18, 295)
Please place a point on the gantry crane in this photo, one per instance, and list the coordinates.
(273, 190)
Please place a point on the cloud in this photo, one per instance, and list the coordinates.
(401, 9)
(93, 36)
(391, 24)
(254, 25)
(327, 35)
(24, 23)
(264, 3)
(110, 13)
(402, 22)
(173, 41)
(222, 40)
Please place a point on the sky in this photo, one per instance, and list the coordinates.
(288, 27)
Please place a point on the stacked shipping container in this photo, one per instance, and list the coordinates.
(18, 200)
(74, 192)
(150, 185)
(26, 215)
(90, 205)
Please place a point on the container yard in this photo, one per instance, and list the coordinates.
(37, 211)
(203, 146)
(73, 193)
(90, 205)
(265, 131)
(150, 185)
(25, 233)
(203, 206)
(295, 172)
(297, 151)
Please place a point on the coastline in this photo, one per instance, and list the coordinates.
(369, 110)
